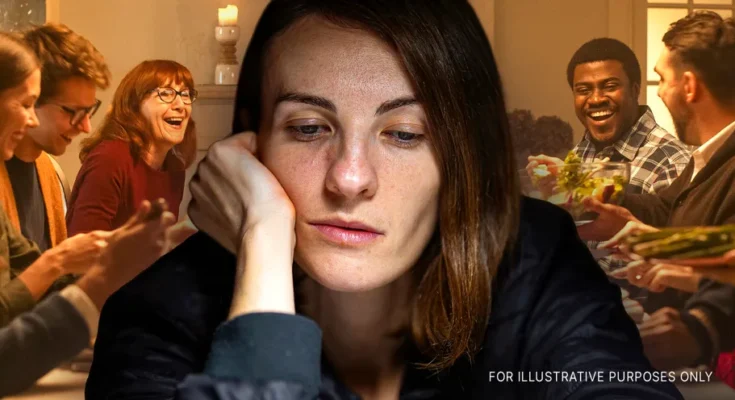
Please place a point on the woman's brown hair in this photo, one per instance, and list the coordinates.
(124, 121)
(17, 61)
(449, 59)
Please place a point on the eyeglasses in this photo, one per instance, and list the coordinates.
(78, 114)
(168, 95)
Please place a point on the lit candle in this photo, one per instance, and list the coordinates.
(227, 16)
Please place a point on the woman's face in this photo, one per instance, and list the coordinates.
(167, 113)
(343, 134)
(17, 112)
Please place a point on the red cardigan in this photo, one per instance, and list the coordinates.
(111, 185)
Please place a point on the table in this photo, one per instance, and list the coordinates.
(714, 390)
(59, 384)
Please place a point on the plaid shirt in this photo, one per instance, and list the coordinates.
(656, 158)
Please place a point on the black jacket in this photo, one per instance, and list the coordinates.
(162, 336)
(707, 200)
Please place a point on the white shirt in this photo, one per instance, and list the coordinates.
(704, 153)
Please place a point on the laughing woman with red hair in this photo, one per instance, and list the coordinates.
(140, 152)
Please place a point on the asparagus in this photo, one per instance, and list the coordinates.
(682, 243)
(708, 252)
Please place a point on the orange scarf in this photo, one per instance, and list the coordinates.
(52, 198)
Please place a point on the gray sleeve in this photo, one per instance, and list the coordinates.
(37, 341)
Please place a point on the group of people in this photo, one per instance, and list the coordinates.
(64, 252)
(692, 317)
(361, 232)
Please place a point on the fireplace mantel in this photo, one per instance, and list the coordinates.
(217, 93)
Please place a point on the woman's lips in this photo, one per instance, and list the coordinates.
(346, 236)
(17, 136)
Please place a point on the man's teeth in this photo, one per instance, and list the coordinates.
(599, 114)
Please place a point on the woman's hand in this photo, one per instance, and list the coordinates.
(631, 228)
(657, 278)
(552, 164)
(77, 254)
(545, 184)
(611, 220)
(237, 201)
(232, 191)
(178, 233)
(130, 249)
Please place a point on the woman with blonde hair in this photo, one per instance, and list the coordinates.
(141, 150)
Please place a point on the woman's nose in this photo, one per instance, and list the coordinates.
(352, 174)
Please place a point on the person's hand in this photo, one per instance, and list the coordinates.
(130, 249)
(176, 234)
(656, 278)
(77, 254)
(552, 164)
(631, 228)
(232, 191)
(667, 342)
(721, 268)
(239, 203)
(545, 184)
(611, 220)
(141, 240)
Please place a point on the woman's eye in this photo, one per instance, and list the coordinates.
(405, 139)
(307, 131)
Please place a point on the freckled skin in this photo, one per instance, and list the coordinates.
(354, 168)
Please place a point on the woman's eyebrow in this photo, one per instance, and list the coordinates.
(304, 98)
(327, 104)
(396, 103)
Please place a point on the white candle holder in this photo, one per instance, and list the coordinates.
(227, 69)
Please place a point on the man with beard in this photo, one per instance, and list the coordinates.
(698, 87)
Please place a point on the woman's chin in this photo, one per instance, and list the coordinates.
(348, 277)
(7, 152)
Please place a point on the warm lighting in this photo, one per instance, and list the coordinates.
(227, 16)
(227, 32)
